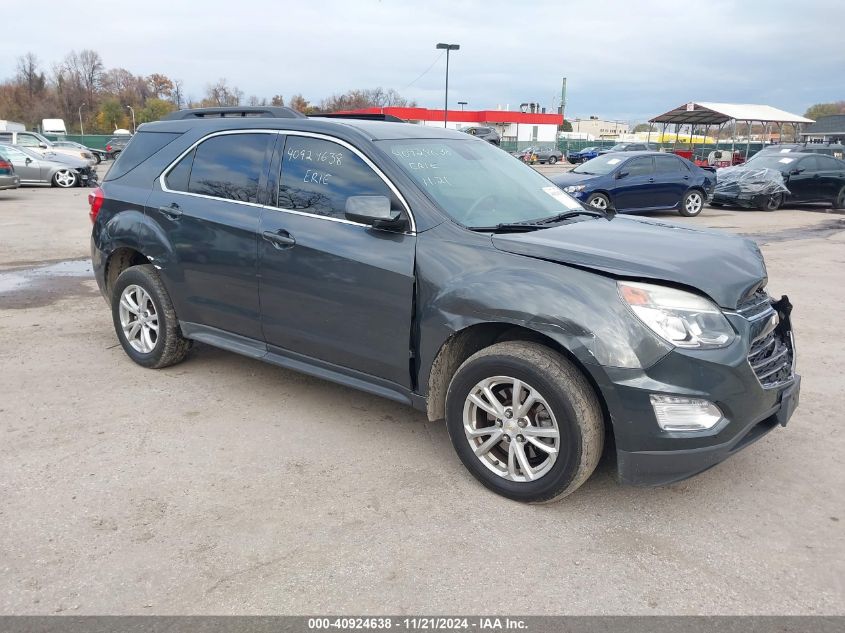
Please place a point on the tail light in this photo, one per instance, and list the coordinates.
(5, 167)
(95, 200)
(108, 147)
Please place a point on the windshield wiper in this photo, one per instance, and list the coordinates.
(532, 225)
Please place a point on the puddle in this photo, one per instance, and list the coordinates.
(40, 285)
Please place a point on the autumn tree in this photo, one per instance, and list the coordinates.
(364, 98)
(161, 86)
(221, 94)
(819, 110)
(277, 100)
(154, 109)
(300, 104)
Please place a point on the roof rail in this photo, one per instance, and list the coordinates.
(269, 112)
(362, 115)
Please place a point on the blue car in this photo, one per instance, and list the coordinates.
(582, 156)
(640, 181)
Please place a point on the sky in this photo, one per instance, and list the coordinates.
(623, 59)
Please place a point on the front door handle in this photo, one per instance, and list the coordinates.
(173, 211)
(279, 239)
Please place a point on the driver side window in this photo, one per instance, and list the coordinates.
(639, 166)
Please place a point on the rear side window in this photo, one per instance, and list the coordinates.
(229, 166)
(178, 177)
(666, 165)
(318, 176)
(140, 148)
(828, 163)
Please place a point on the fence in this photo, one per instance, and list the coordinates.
(573, 145)
(94, 141)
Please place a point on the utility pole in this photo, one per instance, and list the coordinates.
(81, 130)
(563, 98)
(447, 48)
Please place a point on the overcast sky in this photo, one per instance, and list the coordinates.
(624, 59)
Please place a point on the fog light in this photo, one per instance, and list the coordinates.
(677, 413)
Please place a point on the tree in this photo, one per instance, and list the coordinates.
(160, 86)
(29, 76)
(221, 94)
(277, 100)
(364, 98)
(825, 109)
(643, 127)
(565, 127)
(111, 116)
(155, 109)
(300, 104)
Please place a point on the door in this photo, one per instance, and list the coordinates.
(331, 289)
(805, 185)
(671, 181)
(27, 167)
(832, 173)
(208, 212)
(634, 184)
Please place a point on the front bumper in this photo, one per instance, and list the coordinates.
(648, 455)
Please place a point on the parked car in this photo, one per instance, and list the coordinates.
(417, 264)
(34, 169)
(41, 145)
(99, 155)
(639, 181)
(832, 149)
(8, 178)
(583, 155)
(539, 154)
(805, 178)
(483, 132)
(628, 147)
(116, 144)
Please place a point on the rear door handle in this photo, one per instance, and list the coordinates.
(279, 239)
(173, 211)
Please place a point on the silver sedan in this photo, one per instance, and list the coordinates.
(35, 169)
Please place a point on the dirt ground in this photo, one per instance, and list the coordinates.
(225, 485)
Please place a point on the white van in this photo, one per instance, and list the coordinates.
(53, 126)
(11, 126)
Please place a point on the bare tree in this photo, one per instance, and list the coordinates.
(221, 94)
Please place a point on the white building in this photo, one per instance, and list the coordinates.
(599, 128)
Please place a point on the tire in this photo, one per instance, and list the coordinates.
(65, 179)
(98, 158)
(599, 201)
(839, 200)
(771, 203)
(167, 346)
(692, 203)
(115, 154)
(567, 404)
(552, 160)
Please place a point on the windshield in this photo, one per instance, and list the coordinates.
(477, 184)
(774, 161)
(618, 147)
(598, 166)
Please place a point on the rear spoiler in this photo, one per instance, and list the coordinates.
(267, 112)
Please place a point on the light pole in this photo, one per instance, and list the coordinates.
(81, 130)
(462, 104)
(134, 129)
(447, 48)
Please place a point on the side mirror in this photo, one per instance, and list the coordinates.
(42, 145)
(795, 172)
(28, 160)
(621, 174)
(375, 211)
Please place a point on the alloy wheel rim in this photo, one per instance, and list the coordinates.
(693, 203)
(774, 201)
(598, 203)
(139, 319)
(511, 429)
(64, 178)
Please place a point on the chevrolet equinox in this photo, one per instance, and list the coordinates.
(432, 268)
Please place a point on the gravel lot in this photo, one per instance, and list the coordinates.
(225, 485)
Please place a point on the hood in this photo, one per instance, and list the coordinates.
(65, 159)
(570, 178)
(724, 267)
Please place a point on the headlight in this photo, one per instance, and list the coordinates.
(574, 188)
(681, 318)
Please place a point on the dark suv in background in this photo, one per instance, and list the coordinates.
(425, 266)
(483, 132)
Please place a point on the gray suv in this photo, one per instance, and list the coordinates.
(424, 266)
(484, 132)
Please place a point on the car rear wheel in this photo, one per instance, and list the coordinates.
(145, 320)
(771, 203)
(839, 201)
(691, 204)
(524, 421)
(65, 178)
(115, 154)
(599, 201)
(552, 160)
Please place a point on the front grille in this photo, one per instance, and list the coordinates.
(756, 305)
(771, 358)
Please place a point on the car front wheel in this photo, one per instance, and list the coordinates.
(839, 201)
(65, 178)
(145, 320)
(691, 204)
(599, 201)
(524, 421)
(771, 203)
(552, 160)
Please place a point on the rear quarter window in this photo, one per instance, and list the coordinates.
(140, 148)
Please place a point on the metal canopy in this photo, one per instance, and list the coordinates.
(708, 113)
